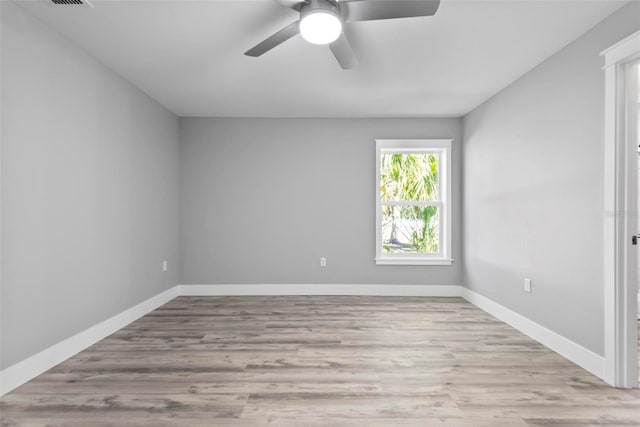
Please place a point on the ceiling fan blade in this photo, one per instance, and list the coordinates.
(278, 38)
(344, 54)
(369, 10)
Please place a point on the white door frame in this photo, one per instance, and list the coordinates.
(620, 218)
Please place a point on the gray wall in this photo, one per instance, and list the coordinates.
(89, 190)
(533, 188)
(263, 199)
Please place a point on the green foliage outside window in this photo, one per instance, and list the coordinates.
(410, 178)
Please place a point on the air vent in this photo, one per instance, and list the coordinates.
(72, 2)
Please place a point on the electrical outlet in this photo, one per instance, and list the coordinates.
(527, 285)
(323, 262)
(165, 265)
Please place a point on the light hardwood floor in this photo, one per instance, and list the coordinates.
(297, 361)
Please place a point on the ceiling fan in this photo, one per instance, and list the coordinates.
(321, 22)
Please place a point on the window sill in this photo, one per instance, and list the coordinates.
(413, 261)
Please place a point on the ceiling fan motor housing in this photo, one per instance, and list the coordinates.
(326, 6)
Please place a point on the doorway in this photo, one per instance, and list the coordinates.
(621, 208)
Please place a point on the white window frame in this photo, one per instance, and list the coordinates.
(412, 146)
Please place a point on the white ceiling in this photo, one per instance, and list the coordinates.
(188, 54)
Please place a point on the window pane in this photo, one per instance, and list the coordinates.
(410, 229)
(409, 177)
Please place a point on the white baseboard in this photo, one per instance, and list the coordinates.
(318, 289)
(579, 355)
(18, 374)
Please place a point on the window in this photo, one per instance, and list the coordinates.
(413, 201)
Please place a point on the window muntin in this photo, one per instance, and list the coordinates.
(412, 201)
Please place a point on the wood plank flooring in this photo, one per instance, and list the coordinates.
(306, 361)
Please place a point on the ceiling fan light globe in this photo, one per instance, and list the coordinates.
(320, 27)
